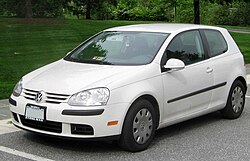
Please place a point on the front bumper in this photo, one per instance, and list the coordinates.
(63, 120)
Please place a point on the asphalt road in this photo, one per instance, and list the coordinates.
(209, 137)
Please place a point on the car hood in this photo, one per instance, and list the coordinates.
(65, 77)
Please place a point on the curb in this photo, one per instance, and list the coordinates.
(248, 79)
(4, 102)
(7, 127)
(239, 31)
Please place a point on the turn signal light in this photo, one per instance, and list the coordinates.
(112, 123)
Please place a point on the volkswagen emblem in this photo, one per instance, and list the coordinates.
(39, 96)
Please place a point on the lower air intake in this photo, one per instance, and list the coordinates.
(82, 129)
(50, 126)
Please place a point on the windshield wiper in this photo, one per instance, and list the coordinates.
(88, 61)
(106, 63)
(99, 62)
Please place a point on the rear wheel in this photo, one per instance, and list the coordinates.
(139, 127)
(235, 101)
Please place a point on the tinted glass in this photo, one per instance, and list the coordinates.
(119, 48)
(187, 47)
(216, 42)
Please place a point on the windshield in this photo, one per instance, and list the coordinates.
(119, 48)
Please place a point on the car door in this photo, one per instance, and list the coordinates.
(187, 91)
(223, 65)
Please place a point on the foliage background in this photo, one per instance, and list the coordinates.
(215, 12)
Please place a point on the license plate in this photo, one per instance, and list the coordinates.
(36, 113)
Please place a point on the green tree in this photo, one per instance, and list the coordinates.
(3, 4)
(83, 7)
(99, 9)
(185, 11)
(32, 8)
(145, 10)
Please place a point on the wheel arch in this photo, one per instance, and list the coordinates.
(243, 81)
(153, 101)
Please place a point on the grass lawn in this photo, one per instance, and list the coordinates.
(243, 41)
(27, 45)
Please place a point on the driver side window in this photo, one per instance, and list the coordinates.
(187, 47)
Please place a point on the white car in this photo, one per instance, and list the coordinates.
(125, 82)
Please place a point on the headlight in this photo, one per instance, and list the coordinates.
(91, 97)
(18, 89)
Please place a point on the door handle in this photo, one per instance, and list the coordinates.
(209, 70)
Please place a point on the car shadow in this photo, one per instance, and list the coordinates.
(79, 145)
(187, 126)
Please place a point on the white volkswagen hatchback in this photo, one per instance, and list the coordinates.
(126, 82)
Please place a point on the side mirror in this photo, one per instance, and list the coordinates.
(174, 65)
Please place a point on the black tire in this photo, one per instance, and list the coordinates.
(234, 111)
(134, 117)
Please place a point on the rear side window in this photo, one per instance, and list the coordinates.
(216, 43)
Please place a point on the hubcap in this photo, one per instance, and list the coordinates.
(237, 99)
(142, 126)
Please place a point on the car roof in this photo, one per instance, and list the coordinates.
(162, 27)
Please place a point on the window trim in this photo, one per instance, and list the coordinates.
(206, 42)
(164, 56)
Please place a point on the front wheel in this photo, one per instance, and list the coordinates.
(235, 101)
(139, 127)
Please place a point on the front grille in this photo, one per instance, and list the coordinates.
(49, 97)
(82, 129)
(50, 126)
